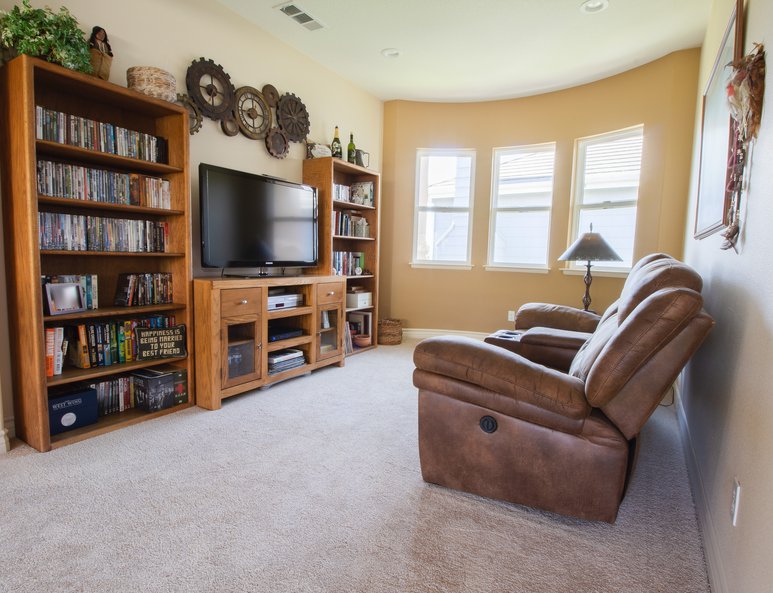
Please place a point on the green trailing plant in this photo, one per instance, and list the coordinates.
(45, 34)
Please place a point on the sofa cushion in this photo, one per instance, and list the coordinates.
(646, 279)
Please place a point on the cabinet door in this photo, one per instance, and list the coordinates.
(329, 328)
(242, 350)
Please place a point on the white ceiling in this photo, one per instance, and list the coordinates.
(472, 50)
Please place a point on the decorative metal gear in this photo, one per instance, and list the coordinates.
(210, 88)
(292, 117)
(253, 113)
(271, 95)
(277, 143)
(195, 118)
(229, 125)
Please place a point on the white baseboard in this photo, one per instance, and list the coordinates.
(711, 547)
(420, 334)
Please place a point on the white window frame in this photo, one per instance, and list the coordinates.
(578, 188)
(492, 265)
(418, 209)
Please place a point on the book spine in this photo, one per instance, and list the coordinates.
(50, 337)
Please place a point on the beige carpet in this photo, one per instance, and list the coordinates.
(313, 485)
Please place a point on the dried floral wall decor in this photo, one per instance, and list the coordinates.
(745, 93)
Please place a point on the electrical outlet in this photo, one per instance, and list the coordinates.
(736, 501)
(511, 315)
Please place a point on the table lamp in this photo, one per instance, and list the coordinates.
(589, 247)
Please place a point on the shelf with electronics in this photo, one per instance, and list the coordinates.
(349, 224)
(121, 160)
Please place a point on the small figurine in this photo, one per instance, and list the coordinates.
(101, 53)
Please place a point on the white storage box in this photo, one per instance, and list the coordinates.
(358, 299)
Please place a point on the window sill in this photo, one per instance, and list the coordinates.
(441, 266)
(519, 269)
(596, 273)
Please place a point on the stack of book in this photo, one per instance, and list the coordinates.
(64, 128)
(284, 360)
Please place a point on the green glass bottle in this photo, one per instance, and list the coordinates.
(335, 146)
(351, 152)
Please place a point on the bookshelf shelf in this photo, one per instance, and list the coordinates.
(137, 124)
(75, 375)
(115, 312)
(94, 205)
(86, 156)
(44, 252)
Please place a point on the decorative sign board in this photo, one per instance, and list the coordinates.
(167, 342)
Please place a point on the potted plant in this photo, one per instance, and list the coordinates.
(45, 34)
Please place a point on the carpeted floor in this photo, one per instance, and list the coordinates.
(313, 485)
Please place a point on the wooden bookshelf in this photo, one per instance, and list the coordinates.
(24, 84)
(324, 174)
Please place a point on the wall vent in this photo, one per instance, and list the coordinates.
(300, 16)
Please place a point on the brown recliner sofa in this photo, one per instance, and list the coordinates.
(561, 438)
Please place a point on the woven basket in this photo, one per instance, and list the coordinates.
(390, 332)
(153, 82)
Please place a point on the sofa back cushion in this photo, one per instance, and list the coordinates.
(659, 300)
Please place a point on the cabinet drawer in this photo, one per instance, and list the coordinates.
(330, 292)
(239, 301)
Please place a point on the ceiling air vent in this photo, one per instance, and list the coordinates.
(300, 16)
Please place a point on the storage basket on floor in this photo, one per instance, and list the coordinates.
(390, 332)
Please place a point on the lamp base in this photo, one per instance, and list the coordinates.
(587, 279)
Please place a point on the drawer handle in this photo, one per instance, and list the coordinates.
(331, 293)
(244, 302)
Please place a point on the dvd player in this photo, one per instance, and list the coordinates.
(284, 301)
(281, 332)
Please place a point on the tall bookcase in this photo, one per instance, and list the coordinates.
(25, 84)
(328, 175)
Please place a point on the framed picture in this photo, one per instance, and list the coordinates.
(718, 138)
(65, 297)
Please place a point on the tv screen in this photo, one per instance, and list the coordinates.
(250, 220)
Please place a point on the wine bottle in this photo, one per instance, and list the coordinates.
(335, 146)
(351, 152)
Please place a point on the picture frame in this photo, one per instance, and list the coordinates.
(64, 298)
(718, 137)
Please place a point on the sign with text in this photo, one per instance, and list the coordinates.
(167, 342)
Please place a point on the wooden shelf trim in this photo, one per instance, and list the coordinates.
(71, 375)
(44, 252)
(93, 204)
(56, 149)
(353, 238)
(114, 312)
(288, 343)
(292, 312)
(341, 205)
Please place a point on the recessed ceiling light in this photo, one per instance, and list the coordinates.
(594, 6)
(390, 52)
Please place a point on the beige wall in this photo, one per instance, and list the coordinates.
(661, 95)
(170, 34)
(727, 402)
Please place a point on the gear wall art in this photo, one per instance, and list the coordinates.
(245, 109)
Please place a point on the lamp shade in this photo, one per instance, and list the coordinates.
(590, 247)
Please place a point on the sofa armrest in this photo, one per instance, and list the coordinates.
(555, 338)
(555, 316)
(500, 380)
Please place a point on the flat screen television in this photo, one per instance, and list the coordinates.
(255, 221)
